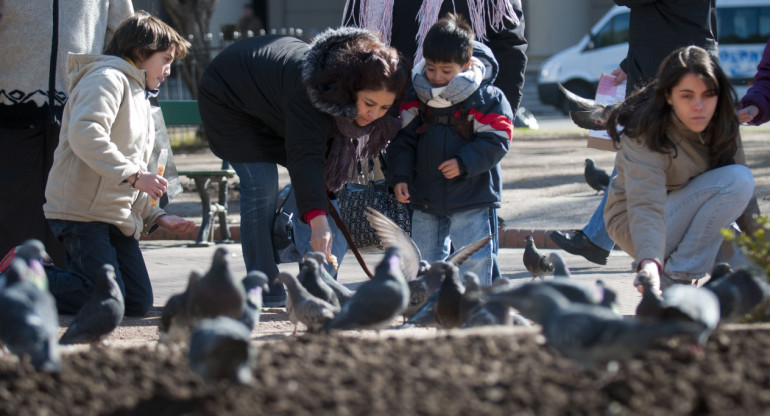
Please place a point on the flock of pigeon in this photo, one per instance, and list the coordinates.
(216, 313)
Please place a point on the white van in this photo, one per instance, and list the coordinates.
(743, 27)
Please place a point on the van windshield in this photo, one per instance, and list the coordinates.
(742, 25)
(613, 33)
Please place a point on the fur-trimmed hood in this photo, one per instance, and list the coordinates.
(323, 48)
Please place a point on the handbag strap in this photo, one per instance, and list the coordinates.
(341, 225)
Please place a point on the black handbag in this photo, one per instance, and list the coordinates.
(355, 197)
(284, 247)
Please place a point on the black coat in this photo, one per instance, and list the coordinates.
(657, 28)
(255, 108)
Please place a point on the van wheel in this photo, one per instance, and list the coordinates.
(580, 88)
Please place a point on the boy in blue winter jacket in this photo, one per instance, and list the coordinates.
(445, 161)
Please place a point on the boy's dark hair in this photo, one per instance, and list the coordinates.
(450, 40)
(140, 35)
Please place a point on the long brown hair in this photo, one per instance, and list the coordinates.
(140, 35)
(646, 114)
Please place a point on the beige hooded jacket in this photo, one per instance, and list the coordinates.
(107, 135)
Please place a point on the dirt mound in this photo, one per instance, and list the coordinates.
(489, 372)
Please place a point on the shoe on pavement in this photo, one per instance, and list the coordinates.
(578, 244)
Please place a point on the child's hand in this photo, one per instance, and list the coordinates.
(174, 223)
(152, 184)
(450, 168)
(402, 192)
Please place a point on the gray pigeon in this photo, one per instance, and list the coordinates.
(690, 303)
(719, 271)
(592, 334)
(424, 286)
(342, 291)
(377, 302)
(449, 297)
(254, 284)
(595, 114)
(560, 268)
(29, 322)
(738, 293)
(310, 277)
(391, 234)
(650, 306)
(476, 311)
(34, 255)
(218, 292)
(574, 291)
(175, 320)
(101, 314)
(303, 307)
(425, 315)
(220, 350)
(537, 263)
(596, 177)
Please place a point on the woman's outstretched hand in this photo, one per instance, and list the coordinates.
(321, 235)
(175, 223)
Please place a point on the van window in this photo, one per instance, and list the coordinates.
(613, 33)
(742, 25)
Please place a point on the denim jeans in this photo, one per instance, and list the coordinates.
(595, 230)
(90, 245)
(259, 189)
(435, 234)
(696, 214)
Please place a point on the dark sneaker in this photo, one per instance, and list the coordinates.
(578, 244)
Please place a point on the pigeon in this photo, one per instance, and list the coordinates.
(738, 293)
(254, 284)
(596, 177)
(425, 315)
(537, 264)
(719, 271)
(391, 234)
(34, 255)
(475, 311)
(690, 303)
(592, 334)
(379, 301)
(449, 297)
(303, 307)
(220, 350)
(175, 320)
(560, 268)
(595, 115)
(29, 321)
(310, 277)
(217, 293)
(649, 307)
(424, 286)
(342, 291)
(608, 297)
(101, 314)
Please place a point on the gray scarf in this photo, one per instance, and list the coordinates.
(459, 88)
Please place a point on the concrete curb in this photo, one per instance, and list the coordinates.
(509, 237)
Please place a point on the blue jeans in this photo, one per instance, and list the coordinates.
(595, 230)
(435, 234)
(259, 189)
(90, 245)
(696, 214)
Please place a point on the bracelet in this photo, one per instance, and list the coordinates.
(136, 178)
(657, 263)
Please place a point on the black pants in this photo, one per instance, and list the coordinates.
(26, 156)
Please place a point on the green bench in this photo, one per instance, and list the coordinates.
(186, 112)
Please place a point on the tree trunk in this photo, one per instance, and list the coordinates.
(191, 19)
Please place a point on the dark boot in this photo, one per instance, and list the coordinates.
(578, 244)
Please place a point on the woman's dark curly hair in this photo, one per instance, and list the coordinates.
(646, 113)
(359, 63)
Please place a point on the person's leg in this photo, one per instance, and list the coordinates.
(259, 188)
(467, 227)
(88, 249)
(431, 235)
(493, 225)
(592, 242)
(695, 216)
(132, 274)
